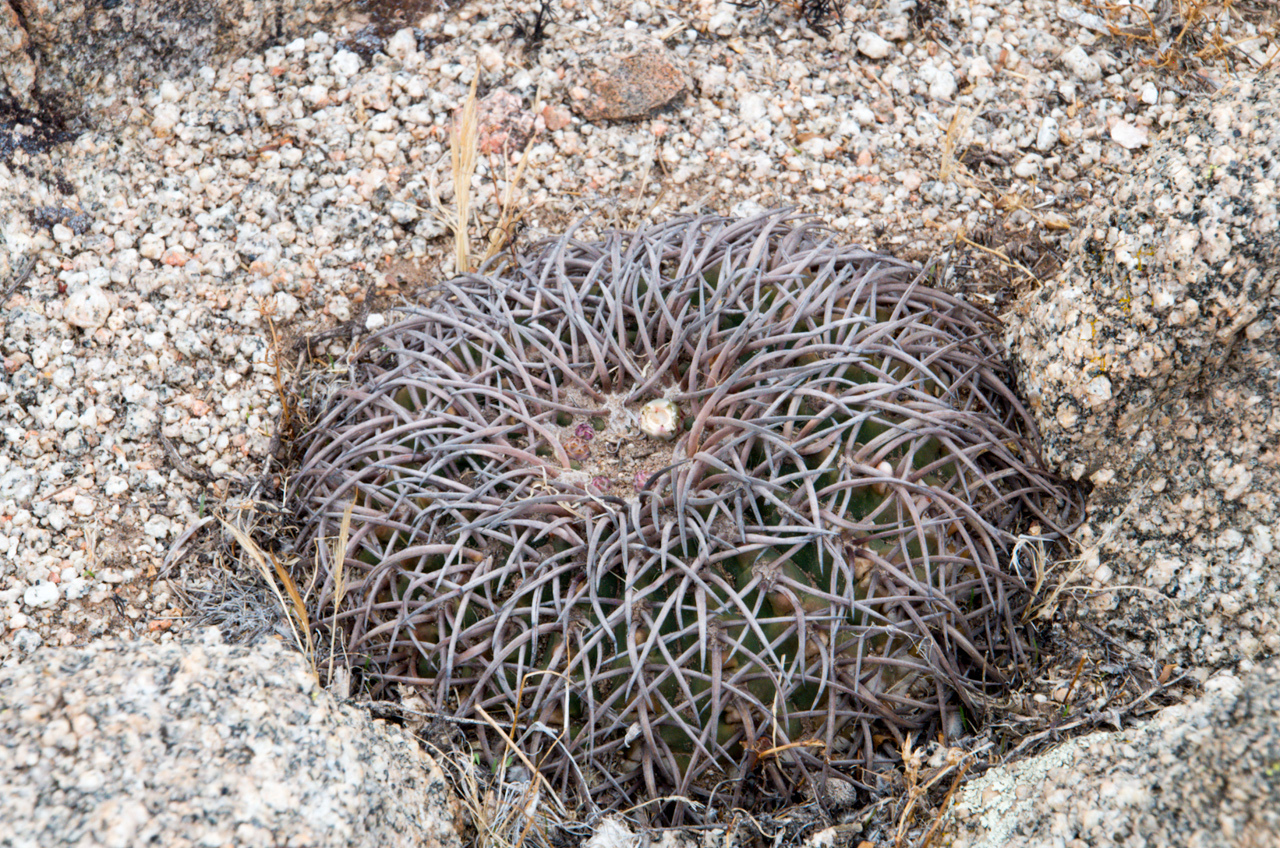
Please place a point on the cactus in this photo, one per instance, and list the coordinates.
(701, 511)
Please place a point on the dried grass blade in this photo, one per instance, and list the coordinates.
(269, 574)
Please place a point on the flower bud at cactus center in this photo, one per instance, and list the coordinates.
(660, 419)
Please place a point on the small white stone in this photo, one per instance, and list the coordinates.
(863, 115)
(722, 22)
(402, 44)
(287, 306)
(1047, 137)
(115, 485)
(340, 307)
(943, 86)
(82, 505)
(157, 527)
(752, 108)
(87, 308)
(165, 119)
(401, 212)
(375, 321)
(897, 27)
(1028, 166)
(26, 641)
(315, 95)
(1082, 65)
(344, 64)
(76, 588)
(169, 92)
(1128, 136)
(41, 595)
(873, 46)
(1150, 94)
(490, 59)
(57, 519)
(1230, 539)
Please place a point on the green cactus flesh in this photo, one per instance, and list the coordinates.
(817, 559)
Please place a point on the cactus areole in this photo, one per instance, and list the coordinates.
(784, 546)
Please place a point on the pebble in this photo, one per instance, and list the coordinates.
(503, 124)
(943, 86)
(26, 641)
(1081, 64)
(76, 588)
(87, 308)
(344, 64)
(1128, 136)
(41, 595)
(752, 109)
(631, 84)
(1028, 166)
(873, 46)
(1047, 136)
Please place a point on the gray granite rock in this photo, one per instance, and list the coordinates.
(1162, 290)
(203, 744)
(1203, 774)
(17, 68)
(1151, 362)
(86, 55)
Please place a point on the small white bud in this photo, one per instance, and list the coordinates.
(881, 487)
(660, 419)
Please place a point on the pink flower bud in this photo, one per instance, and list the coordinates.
(576, 448)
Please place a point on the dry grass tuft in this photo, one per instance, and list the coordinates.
(275, 575)
(921, 781)
(462, 218)
(463, 154)
(1187, 36)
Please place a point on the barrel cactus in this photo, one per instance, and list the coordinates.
(708, 511)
